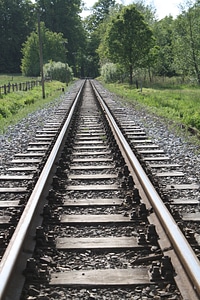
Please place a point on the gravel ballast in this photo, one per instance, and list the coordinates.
(176, 146)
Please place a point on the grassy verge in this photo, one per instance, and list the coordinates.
(17, 105)
(178, 103)
(14, 78)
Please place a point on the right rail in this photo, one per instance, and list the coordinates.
(184, 251)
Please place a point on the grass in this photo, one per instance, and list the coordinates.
(17, 105)
(14, 78)
(177, 103)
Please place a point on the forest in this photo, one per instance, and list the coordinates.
(120, 43)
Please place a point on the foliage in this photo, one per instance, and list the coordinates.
(100, 10)
(128, 39)
(88, 44)
(16, 22)
(53, 49)
(91, 59)
(95, 26)
(186, 41)
(163, 32)
(111, 72)
(148, 12)
(58, 71)
(63, 17)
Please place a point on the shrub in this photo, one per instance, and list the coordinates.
(110, 72)
(58, 71)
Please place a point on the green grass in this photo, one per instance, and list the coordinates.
(14, 78)
(177, 103)
(17, 105)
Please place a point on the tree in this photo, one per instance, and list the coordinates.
(186, 41)
(16, 22)
(148, 11)
(163, 32)
(100, 10)
(53, 49)
(94, 25)
(63, 16)
(129, 39)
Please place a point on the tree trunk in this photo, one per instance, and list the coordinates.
(131, 74)
(149, 71)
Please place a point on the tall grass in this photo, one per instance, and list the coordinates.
(177, 103)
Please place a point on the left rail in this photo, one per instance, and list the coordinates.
(16, 254)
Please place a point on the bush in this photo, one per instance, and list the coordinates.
(110, 72)
(58, 71)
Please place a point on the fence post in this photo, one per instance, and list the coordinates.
(8, 87)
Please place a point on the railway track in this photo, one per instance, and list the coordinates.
(88, 222)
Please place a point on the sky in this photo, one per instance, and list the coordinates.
(163, 7)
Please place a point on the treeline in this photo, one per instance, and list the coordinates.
(133, 43)
(119, 42)
(62, 33)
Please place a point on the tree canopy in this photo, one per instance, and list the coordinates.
(163, 31)
(53, 49)
(186, 43)
(64, 16)
(16, 22)
(128, 39)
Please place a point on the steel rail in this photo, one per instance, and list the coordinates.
(10, 257)
(182, 248)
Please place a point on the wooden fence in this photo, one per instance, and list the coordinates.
(22, 86)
